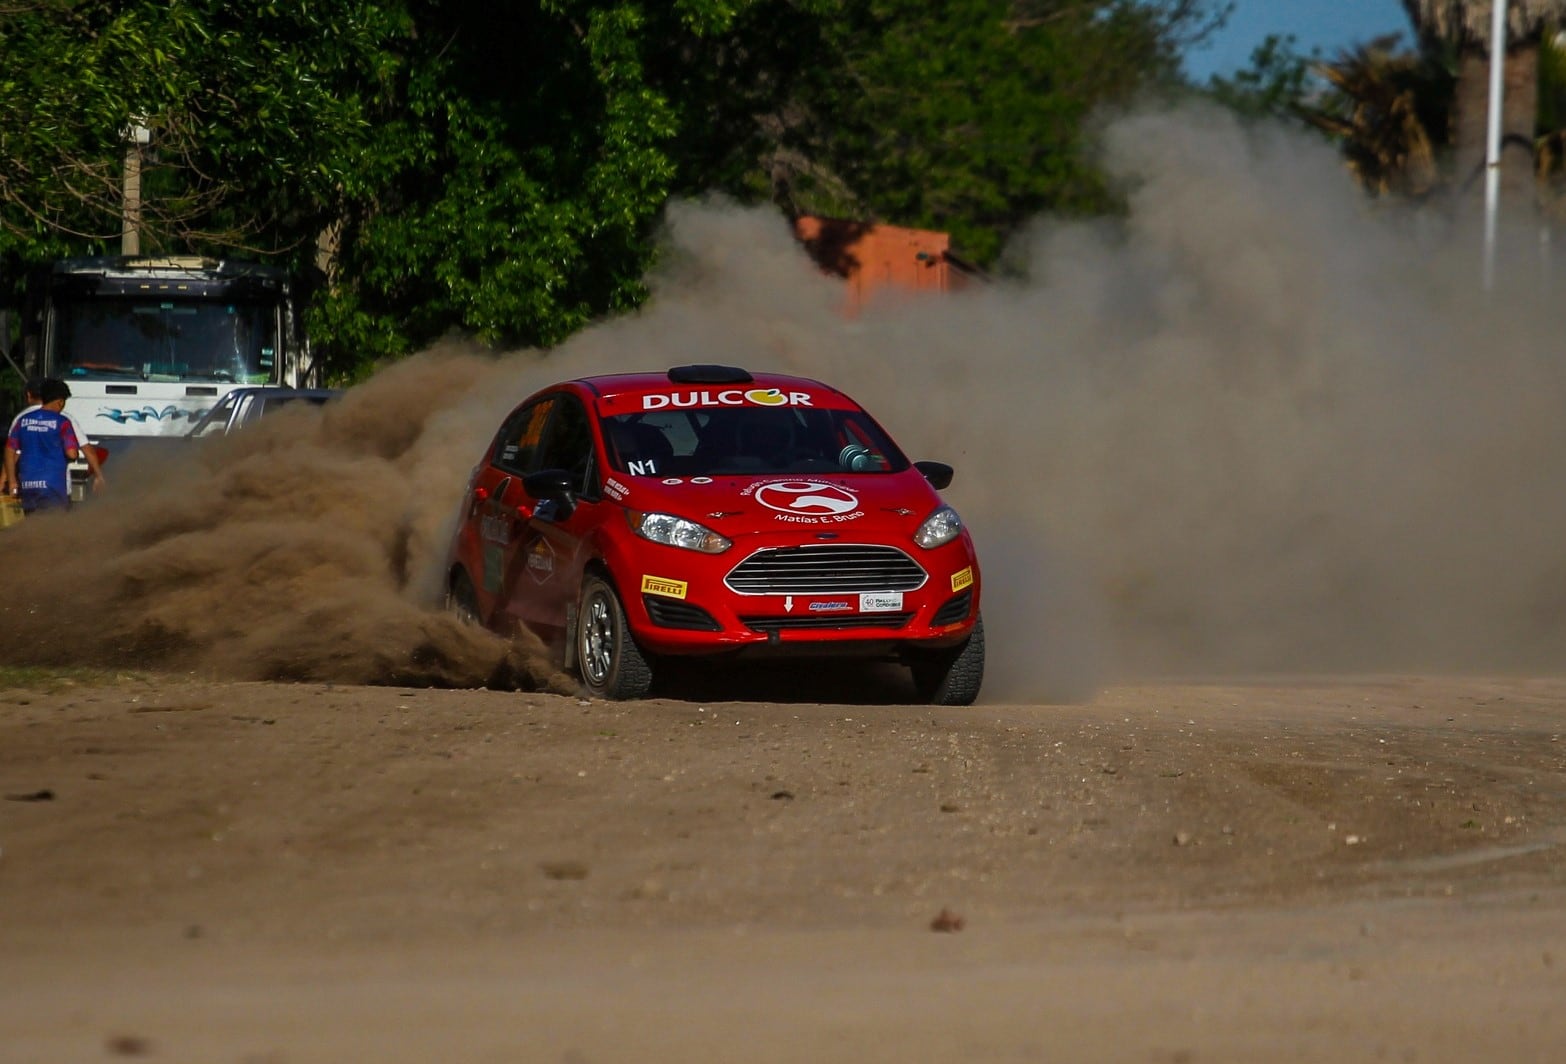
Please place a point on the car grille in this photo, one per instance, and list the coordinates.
(835, 569)
(836, 621)
(667, 613)
(955, 610)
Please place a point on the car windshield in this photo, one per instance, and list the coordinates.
(110, 338)
(749, 441)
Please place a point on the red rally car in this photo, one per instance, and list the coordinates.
(708, 511)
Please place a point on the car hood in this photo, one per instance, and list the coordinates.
(883, 503)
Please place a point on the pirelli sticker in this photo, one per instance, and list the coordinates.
(657, 585)
(962, 578)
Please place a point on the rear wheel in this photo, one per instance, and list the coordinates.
(952, 677)
(462, 600)
(611, 664)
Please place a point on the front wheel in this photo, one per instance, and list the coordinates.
(952, 677)
(611, 664)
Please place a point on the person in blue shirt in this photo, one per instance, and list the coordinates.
(39, 452)
(33, 389)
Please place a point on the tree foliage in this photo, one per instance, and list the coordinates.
(1468, 22)
(1275, 83)
(1397, 112)
(500, 169)
(968, 116)
(1389, 111)
(250, 110)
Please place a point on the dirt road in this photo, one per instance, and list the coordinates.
(1281, 870)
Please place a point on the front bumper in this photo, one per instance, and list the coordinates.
(831, 605)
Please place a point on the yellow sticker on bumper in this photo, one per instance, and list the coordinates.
(962, 578)
(657, 585)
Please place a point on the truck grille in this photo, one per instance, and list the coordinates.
(834, 569)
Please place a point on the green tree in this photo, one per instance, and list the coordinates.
(456, 165)
(512, 189)
(1274, 85)
(968, 116)
(500, 169)
(252, 111)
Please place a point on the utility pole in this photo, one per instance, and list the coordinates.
(1492, 153)
(136, 136)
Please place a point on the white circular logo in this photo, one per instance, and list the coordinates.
(809, 497)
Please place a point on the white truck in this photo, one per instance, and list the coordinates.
(149, 345)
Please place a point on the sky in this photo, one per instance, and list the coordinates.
(1329, 25)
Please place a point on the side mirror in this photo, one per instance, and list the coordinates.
(551, 485)
(939, 474)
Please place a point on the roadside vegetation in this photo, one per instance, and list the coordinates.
(499, 171)
(53, 680)
(1410, 116)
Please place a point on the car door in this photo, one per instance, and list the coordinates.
(554, 545)
(502, 510)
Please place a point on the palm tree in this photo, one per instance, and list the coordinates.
(1460, 29)
(1388, 111)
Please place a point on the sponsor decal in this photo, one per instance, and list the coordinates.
(658, 585)
(726, 397)
(880, 602)
(495, 528)
(829, 607)
(615, 490)
(962, 578)
(806, 502)
(541, 560)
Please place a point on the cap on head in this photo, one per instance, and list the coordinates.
(52, 389)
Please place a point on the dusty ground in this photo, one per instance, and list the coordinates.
(1280, 870)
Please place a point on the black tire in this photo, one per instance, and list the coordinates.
(611, 664)
(462, 600)
(952, 677)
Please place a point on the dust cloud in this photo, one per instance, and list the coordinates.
(1260, 424)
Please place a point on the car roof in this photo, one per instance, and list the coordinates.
(311, 393)
(291, 393)
(619, 393)
(274, 389)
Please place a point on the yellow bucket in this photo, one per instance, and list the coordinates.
(10, 511)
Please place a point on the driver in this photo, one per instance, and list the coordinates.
(767, 435)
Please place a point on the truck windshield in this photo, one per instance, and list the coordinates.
(161, 339)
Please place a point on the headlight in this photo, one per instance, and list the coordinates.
(677, 532)
(940, 527)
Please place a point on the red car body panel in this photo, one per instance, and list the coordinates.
(821, 561)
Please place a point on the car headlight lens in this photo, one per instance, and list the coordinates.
(939, 528)
(677, 532)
